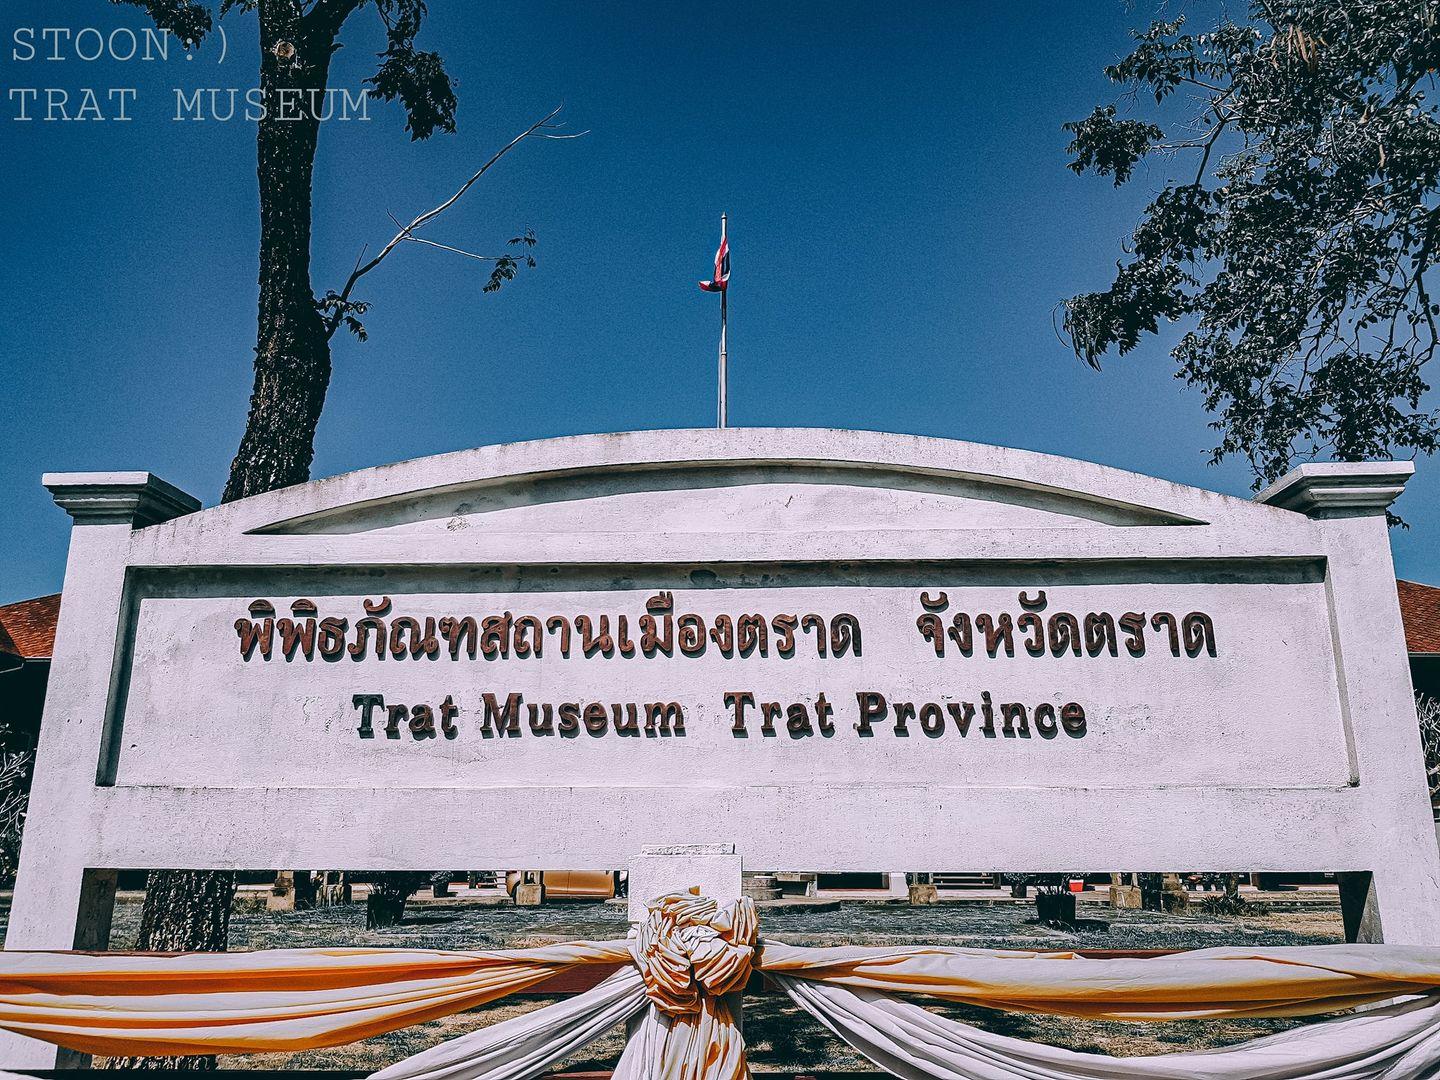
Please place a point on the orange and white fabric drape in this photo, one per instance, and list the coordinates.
(681, 963)
(1400, 1042)
(282, 999)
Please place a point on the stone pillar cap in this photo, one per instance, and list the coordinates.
(1339, 488)
(136, 499)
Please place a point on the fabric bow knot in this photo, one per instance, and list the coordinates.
(689, 945)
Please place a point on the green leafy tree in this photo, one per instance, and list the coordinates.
(190, 910)
(1295, 231)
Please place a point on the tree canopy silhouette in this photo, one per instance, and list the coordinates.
(1295, 234)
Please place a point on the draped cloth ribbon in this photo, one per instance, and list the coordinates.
(672, 984)
(275, 1000)
(688, 954)
(1400, 1042)
(1200, 984)
(691, 952)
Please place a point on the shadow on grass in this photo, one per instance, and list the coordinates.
(428, 920)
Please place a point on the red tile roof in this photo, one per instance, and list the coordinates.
(1420, 611)
(27, 627)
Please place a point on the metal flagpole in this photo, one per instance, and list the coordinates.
(724, 294)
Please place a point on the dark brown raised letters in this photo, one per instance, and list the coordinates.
(1061, 633)
(510, 716)
(380, 633)
(662, 630)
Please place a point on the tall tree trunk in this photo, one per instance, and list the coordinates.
(292, 353)
(185, 911)
(188, 910)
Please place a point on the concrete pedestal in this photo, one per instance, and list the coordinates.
(1173, 897)
(760, 886)
(1125, 897)
(924, 894)
(715, 868)
(293, 890)
(529, 895)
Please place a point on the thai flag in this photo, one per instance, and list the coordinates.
(722, 268)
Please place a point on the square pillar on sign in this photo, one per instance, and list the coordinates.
(62, 900)
(1390, 882)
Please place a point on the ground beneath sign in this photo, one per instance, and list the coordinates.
(780, 1037)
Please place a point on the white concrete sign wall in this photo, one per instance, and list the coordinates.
(1135, 675)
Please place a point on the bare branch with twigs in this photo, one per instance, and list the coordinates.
(339, 304)
(1428, 710)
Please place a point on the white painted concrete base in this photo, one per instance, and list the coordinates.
(715, 868)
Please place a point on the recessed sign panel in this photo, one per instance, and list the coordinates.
(744, 680)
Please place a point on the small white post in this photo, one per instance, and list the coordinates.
(657, 871)
(715, 868)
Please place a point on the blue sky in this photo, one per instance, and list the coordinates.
(902, 222)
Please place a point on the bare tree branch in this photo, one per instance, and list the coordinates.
(1428, 709)
(537, 129)
(456, 250)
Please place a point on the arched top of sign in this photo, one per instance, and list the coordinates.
(739, 480)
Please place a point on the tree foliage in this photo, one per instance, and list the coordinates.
(1296, 230)
(296, 323)
(1428, 710)
(417, 78)
(414, 77)
(507, 266)
(16, 768)
(188, 21)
